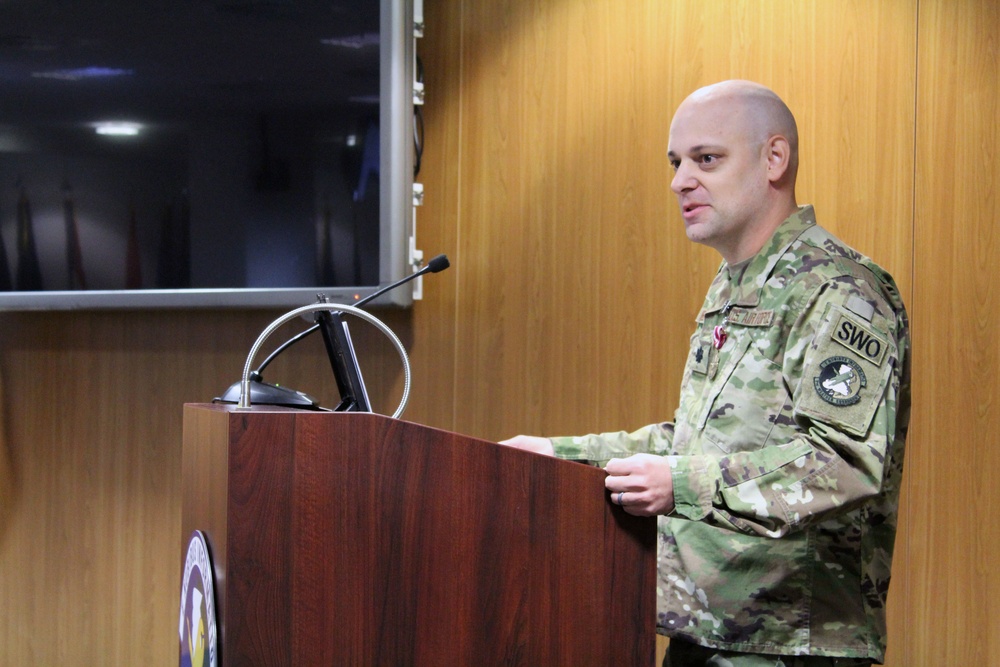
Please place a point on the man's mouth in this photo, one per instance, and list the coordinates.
(693, 208)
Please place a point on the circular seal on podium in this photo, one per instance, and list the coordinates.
(197, 628)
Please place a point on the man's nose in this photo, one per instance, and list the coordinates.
(682, 180)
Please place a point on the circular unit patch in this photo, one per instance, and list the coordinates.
(840, 381)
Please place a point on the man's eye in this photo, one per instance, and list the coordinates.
(708, 160)
(675, 164)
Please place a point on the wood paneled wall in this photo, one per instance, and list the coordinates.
(571, 297)
(576, 270)
(951, 601)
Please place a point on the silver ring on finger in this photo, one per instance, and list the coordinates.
(620, 494)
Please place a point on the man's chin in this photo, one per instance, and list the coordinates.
(702, 235)
(698, 232)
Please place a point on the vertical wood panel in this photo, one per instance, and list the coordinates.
(952, 566)
(434, 336)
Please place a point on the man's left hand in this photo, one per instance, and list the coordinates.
(642, 484)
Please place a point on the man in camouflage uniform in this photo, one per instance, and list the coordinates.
(777, 483)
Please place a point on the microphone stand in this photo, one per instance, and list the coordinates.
(263, 393)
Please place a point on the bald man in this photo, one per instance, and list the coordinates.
(777, 482)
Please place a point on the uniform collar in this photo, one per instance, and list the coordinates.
(743, 282)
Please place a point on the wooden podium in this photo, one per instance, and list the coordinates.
(357, 539)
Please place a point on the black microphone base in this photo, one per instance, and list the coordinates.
(262, 393)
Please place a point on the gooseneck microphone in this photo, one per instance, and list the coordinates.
(262, 393)
(436, 265)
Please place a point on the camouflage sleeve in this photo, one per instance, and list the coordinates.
(600, 448)
(832, 446)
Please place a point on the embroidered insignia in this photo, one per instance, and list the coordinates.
(840, 381)
(700, 361)
(751, 318)
(859, 339)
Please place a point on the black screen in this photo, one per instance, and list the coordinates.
(256, 157)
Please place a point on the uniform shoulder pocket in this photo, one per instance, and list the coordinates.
(845, 372)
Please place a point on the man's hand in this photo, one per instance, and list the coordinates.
(642, 484)
(531, 443)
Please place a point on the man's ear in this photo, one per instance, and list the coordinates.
(778, 155)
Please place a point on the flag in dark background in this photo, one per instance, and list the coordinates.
(5, 282)
(77, 278)
(173, 266)
(133, 263)
(29, 272)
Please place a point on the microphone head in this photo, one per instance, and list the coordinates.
(439, 263)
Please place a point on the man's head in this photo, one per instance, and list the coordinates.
(734, 149)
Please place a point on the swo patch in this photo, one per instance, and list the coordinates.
(860, 339)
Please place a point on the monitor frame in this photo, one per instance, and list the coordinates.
(397, 254)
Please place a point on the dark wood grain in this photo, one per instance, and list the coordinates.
(359, 539)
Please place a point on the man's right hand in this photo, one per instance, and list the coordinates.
(530, 443)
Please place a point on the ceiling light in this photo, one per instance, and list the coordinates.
(353, 41)
(81, 73)
(117, 128)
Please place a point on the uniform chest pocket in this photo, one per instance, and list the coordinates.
(747, 403)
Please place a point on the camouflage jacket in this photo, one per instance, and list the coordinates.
(787, 453)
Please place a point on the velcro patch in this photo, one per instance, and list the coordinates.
(859, 339)
(860, 307)
(750, 318)
(846, 371)
(699, 357)
(840, 381)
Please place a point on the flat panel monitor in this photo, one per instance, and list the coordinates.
(219, 153)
